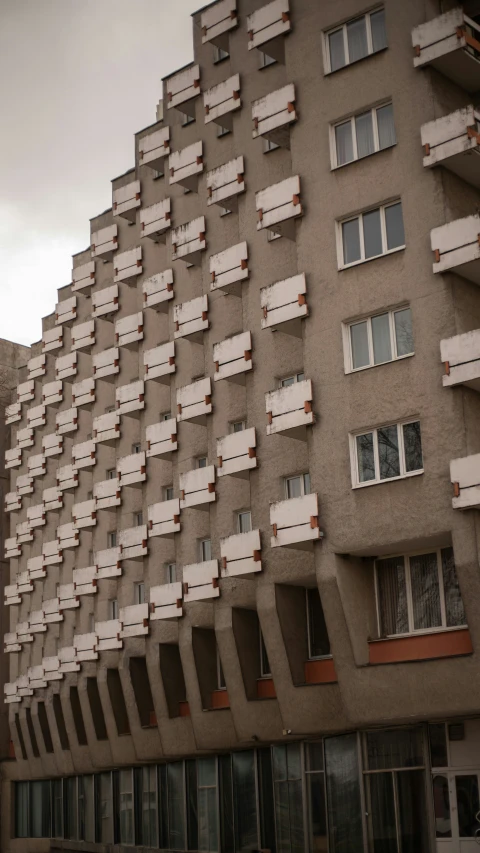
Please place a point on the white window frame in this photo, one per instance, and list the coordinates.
(269, 145)
(166, 492)
(238, 525)
(302, 477)
(297, 377)
(219, 54)
(171, 572)
(137, 447)
(201, 462)
(386, 251)
(113, 609)
(265, 60)
(222, 131)
(138, 518)
(139, 593)
(112, 539)
(201, 549)
(272, 235)
(356, 484)
(351, 119)
(347, 339)
(343, 26)
(233, 424)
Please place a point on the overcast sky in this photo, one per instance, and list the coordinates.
(77, 79)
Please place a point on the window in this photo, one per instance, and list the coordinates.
(105, 811)
(91, 623)
(136, 448)
(265, 670)
(111, 474)
(202, 462)
(176, 808)
(222, 131)
(165, 416)
(355, 40)
(149, 829)
(379, 339)
(418, 593)
(265, 60)
(387, 453)
(138, 518)
(219, 54)
(371, 234)
(205, 550)
(269, 145)
(171, 572)
(139, 593)
(109, 410)
(224, 211)
(112, 539)
(272, 235)
(315, 782)
(291, 380)
(207, 804)
(317, 634)
(186, 120)
(363, 134)
(238, 426)
(221, 685)
(287, 786)
(244, 521)
(157, 173)
(57, 808)
(86, 809)
(344, 800)
(125, 790)
(296, 487)
(113, 608)
(168, 493)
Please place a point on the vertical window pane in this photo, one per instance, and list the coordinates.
(392, 596)
(294, 487)
(391, 748)
(267, 810)
(22, 828)
(126, 806)
(394, 225)
(379, 32)
(359, 343)
(227, 843)
(425, 591)
(372, 234)
(386, 127)
(288, 798)
(337, 50)
(57, 815)
(351, 241)
(245, 800)
(149, 806)
(207, 805)
(404, 331)
(39, 809)
(412, 807)
(343, 795)
(437, 737)
(365, 457)
(192, 804)
(382, 811)
(318, 642)
(70, 789)
(467, 805)
(441, 804)
(306, 484)
(455, 611)
(357, 39)
(176, 823)
(106, 810)
(316, 798)
(388, 455)
(364, 131)
(344, 143)
(264, 662)
(382, 347)
(412, 441)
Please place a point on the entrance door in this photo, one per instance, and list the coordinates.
(457, 811)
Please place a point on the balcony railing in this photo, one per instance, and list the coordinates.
(36, 515)
(285, 303)
(83, 393)
(83, 335)
(133, 543)
(132, 470)
(200, 581)
(127, 266)
(106, 364)
(106, 428)
(13, 413)
(107, 494)
(67, 477)
(37, 366)
(166, 601)
(226, 183)
(153, 148)
(278, 206)
(197, 487)
(66, 311)
(289, 410)
(23, 532)
(188, 241)
(105, 302)
(126, 200)
(107, 563)
(456, 247)
(186, 165)
(108, 635)
(83, 277)
(221, 101)
(37, 416)
(66, 366)
(26, 391)
(86, 646)
(68, 536)
(37, 465)
(67, 657)
(25, 437)
(194, 401)
(105, 242)
(84, 514)
(36, 569)
(156, 220)
(465, 476)
(274, 115)
(267, 27)
(182, 89)
(13, 502)
(229, 268)
(66, 421)
(52, 393)
(461, 356)
(237, 453)
(52, 499)
(191, 318)
(217, 21)
(13, 457)
(130, 399)
(451, 44)
(164, 518)
(52, 614)
(12, 595)
(68, 599)
(453, 141)
(162, 438)
(241, 554)
(52, 339)
(85, 581)
(129, 330)
(134, 619)
(159, 363)
(295, 522)
(233, 358)
(24, 484)
(158, 291)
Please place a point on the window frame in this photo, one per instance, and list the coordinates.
(166, 492)
(201, 552)
(356, 484)
(238, 524)
(139, 592)
(219, 54)
(169, 572)
(294, 377)
(351, 119)
(347, 339)
(113, 609)
(301, 476)
(233, 424)
(343, 26)
(112, 539)
(383, 230)
(138, 518)
(309, 628)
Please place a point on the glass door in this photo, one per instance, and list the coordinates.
(457, 811)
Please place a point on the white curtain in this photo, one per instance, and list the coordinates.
(357, 39)
(386, 127)
(364, 130)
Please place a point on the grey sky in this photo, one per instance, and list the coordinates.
(77, 79)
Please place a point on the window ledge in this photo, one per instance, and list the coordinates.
(356, 61)
(366, 156)
(351, 370)
(369, 260)
(388, 480)
(219, 699)
(450, 642)
(320, 671)
(266, 688)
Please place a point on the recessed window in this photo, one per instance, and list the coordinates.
(138, 518)
(219, 54)
(168, 493)
(165, 416)
(244, 521)
(269, 145)
(418, 593)
(112, 539)
(265, 669)
(387, 453)
(272, 235)
(91, 623)
(222, 131)
(186, 120)
(355, 40)
(224, 211)
(171, 572)
(238, 426)
(296, 487)
(318, 642)
(139, 593)
(205, 550)
(157, 174)
(362, 135)
(111, 474)
(379, 339)
(265, 60)
(137, 447)
(371, 234)
(109, 410)
(221, 685)
(291, 380)
(113, 608)
(202, 462)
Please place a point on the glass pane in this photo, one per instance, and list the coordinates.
(286, 383)
(382, 811)
(314, 757)
(455, 611)
(206, 772)
(404, 331)
(306, 484)
(441, 805)
(39, 810)
(364, 131)
(379, 33)
(295, 804)
(207, 819)
(22, 829)
(365, 457)
(267, 811)
(126, 806)
(359, 342)
(244, 800)
(467, 805)
(57, 791)
(279, 758)
(87, 811)
(412, 441)
(394, 225)
(294, 761)
(412, 807)
(294, 487)
(344, 143)
(70, 808)
(317, 815)
(438, 745)
(264, 662)
(106, 811)
(392, 596)
(351, 241)
(192, 804)
(425, 591)
(394, 748)
(336, 49)
(343, 795)
(382, 347)
(388, 455)
(176, 823)
(372, 234)
(318, 642)
(227, 843)
(386, 127)
(357, 39)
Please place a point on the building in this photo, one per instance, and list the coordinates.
(244, 547)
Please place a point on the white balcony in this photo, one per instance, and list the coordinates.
(158, 291)
(279, 206)
(465, 476)
(85, 581)
(130, 399)
(129, 330)
(67, 421)
(52, 393)
(107, 563)
(107, 494)
(226, 183)
(134, 620)
(52, 499)
(84, 514)
(23, 686)
(156, 220)
(24, 484)
(453, 141)
(200, 581)
(52, 339)
(289, 410)
(36, 677)
(159, 363)
(68, 599)
(25, 582)
(66, 311)
(51, 611)
(267, 27)
(83, 335)
(104, 243)
(23, 633)
(23, 532)
(164, 518)
(37, 366)
(11, 643)
(25, 437)
(84, 454)
(67, 478)
(295, 522)
(106, 428)
(37, 465)
(11, 694)
(26, 391)
(67, 657)
(35, 568)
(132, 470)
(229, 268)
(194, 402)
(68, 536)
(12, 595)
(186, 165)
(83, 277)
(105, 302)
(13, 457)
(106, 364)
(182, 89)
(37, 622)
(13, 502)
(108, 635)
(37, 416)
(86, 646)
(133, 543)
(191, 319)
(222, 101)
(233, 358)
(188, 241)
(241, 554)
(274, 115)
(36, 516)
(166, 601)
(197, 487)
(126, 200)
(153, 148)
(284, 304)
(456, 247)
(162, 438)
(127, 266)
(65, 366)
(13, 413)
(83, 393)
(451, 44)
(461, 356)
(217, 21)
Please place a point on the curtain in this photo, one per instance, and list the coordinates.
(244, 800)
(364, 131)
(359, 343)
(394, 226)
(357, 39)
(441, 805)
(351, 241)
(344, 143)
(412, 806)
(337, 50)
(382, 348)
(404, 331)
(388, 749)
(388, 453)
(453, 597)
(412, 442)
(372, 234)
(425, 591)
(379, 32)
(382, 812)
(343, 795)
(386, 127)
(392, 596)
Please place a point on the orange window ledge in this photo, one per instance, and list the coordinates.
(320, 671)
(266, 689)
(440, 644)
(220, 700)
(152, 722)
(184, 709)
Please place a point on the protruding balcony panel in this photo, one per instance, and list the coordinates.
(106, 364)
(26, 391)
(25, 438)
(52, 393)
(221, 101)
(23, 633)
(194, 402)
(84, 514)
(67, 657)
(105, 302)
(166, 601)
(134, 619)
(156, 220)
(12, 595)
(51, 611)
(106, 428)
(153, 148)
(188, 241)
(285, 304)
(36, 516)
(66, 311)
(36, 677)
(24, 484)
(11, 643)
(11, 694)
(65, 366)
(158, 291)
(25, 582)
(465, 476)
(456, 247)
(289, 410)
(85, 581)
(451, 44)
(217, 21)
(83, 277)
(105, 243)
(107, 563)
(23, 532)
(133, 543)
(86, 646)
(68, 597)
(274, 114)
(13, 502)
(461, 356)
(67, 477)
(279, 206)
(453, 141)
(83, 393)
(36, 569)
(107, 494)
(67, 421)
(226, 183)
(130, 399)
(159, 362)
(37, 366)
(132, 470)
(233, 358)
(267, 27)
(37, 416)
(191, 318)
(13, 457)
(183, 88)
(186, 165)
(52, 499)
(23, 686)
(197, 487)
(229, 268)
(200, 581)
(126, 200)
(52, 339)
(241, 554)
(127, 266)
(164, 518)
(68, 536)
(295, 522)
(108, 635)
(161, 438)
(13, 413)
(51, 668)
(83, 335)
(37, 465)
(129, 330)
(37, 622)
